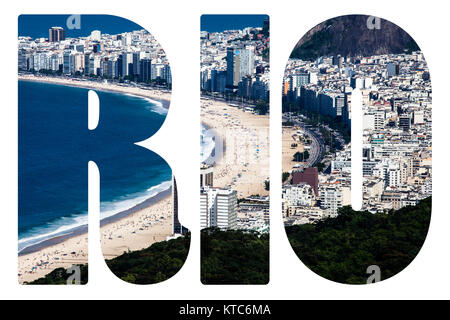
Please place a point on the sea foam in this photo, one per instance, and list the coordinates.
(207, 144)
(65, 225)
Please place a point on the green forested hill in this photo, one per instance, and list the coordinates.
(342, 248)
(339, 249)
(234, 257)
(154, 264)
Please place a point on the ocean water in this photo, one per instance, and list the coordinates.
(207, 144)
(55, 147)
(221, 22)
(37, 25)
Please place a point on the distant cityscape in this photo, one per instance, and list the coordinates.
(396, 94)
(236, 63)
(127, 57)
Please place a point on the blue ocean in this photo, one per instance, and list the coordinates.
(55, 147)
(221, 22)
(37, 25)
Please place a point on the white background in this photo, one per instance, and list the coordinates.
(176, 26)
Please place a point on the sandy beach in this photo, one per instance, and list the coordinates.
(245, 163)
(138, 230)
(157, 95)
(290, 137)
(130, 230)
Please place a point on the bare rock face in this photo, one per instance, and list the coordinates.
(351, 36)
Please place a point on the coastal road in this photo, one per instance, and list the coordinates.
(229, 101)
(317, 150)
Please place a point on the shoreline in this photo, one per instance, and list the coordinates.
(213, 151)
(81, 230)
(244, 165)
(133, 229)
(152, 94)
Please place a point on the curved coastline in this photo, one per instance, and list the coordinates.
(83, 229)
(244, 164)
(32, 263)
(154, 95)
(209, 160)
(132, 229)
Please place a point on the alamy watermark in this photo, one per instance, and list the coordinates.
(74, 22)
(375, 274)
(373, 23)
(75, 275)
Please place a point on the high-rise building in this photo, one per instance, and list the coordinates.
(145, 70)
(246, 61)
(111, 68)
(240, 63)
(67, 62)
(339, 104)
(22, 59)
(206, 175)
(94, 65)
(259, 90)
(177, 227)
(298, 80)
(231, 66)
(167, 74)
(127, 63)
(245, 87)
(218, 208)
(56, 34)
(136, 61)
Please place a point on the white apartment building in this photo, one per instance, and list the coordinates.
(373, 120)
(298, 195)
(333, 197)
(393, 173)
(218, 208)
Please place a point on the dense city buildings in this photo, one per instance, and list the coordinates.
(234, 75)
(235, 63)
(131, 56)
(396, 99)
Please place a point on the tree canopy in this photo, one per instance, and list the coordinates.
(340, 249)
(154, 264)
(234, 257)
